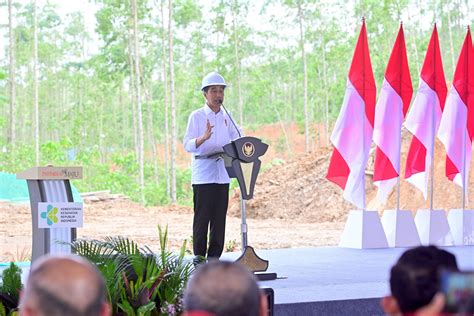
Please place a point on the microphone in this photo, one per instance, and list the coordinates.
(230, 117)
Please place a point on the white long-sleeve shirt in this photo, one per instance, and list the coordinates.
(223, 132)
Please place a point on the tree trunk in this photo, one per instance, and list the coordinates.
(124, 109)
(305, 79)
(11, 138)
(151, 133)
(35, 84)
(282, 124)
(325, 78)
(25, 114)
(237, 60)
(141, 152)
(290, 115)
(166, 105)
(82, 89)
(451, 40)
(132, 95)
(173, 104)
(100, 113)
(414, 37)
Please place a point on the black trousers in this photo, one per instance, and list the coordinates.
(210, 210)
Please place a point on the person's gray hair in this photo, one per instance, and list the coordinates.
(53, 280)
(223, 288)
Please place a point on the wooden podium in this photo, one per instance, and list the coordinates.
(49, 184)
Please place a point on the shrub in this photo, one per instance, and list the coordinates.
(10, 290)
(138, 281)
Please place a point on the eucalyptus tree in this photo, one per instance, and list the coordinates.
(113, 64)
(174, 134)
(305, 74)
(453, 19)
(238, 10)
(12, 116)
(165, 100)
(296, 10)
(24, 45)
(4, 110)
(35, 84)
(327, 35)
(77, 76)
(138, 95)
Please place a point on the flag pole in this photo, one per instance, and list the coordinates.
(399, 144)
(363, 124)
(398, 187)
(434, 137)
(463, 174)
(398, 178)
(464, 182)
(432, 153)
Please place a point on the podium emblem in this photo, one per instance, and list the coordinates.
(248, 149)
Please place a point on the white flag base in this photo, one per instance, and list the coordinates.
(400, 228)
(363, 230)
(461, 223)
(433, 228)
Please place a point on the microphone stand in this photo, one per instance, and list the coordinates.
(230, 117)
(243, 210)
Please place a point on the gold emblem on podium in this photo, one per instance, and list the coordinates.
(248, 149)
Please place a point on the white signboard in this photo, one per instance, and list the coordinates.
(60, 215)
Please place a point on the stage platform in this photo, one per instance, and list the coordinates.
(335, 281)
(330, 280)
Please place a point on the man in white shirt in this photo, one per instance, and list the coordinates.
(209, 129)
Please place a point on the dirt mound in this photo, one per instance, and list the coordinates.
(297, 190)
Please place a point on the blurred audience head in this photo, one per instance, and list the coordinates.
(64, 285)
(414, 279)
(224, 288)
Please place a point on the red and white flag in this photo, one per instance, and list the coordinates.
(424, 116)
(352, 133)
(392, 105)
(456, 129)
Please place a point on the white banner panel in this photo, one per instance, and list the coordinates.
(60, 215)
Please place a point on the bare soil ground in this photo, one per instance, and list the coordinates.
(293, 206)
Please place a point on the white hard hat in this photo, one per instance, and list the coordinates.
(213, 79)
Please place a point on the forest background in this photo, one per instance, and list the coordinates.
(115, 97)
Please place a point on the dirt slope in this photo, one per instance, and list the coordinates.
(297, 190)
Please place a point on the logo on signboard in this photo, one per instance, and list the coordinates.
(248, 149)
(60, 215)
(50, 215)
